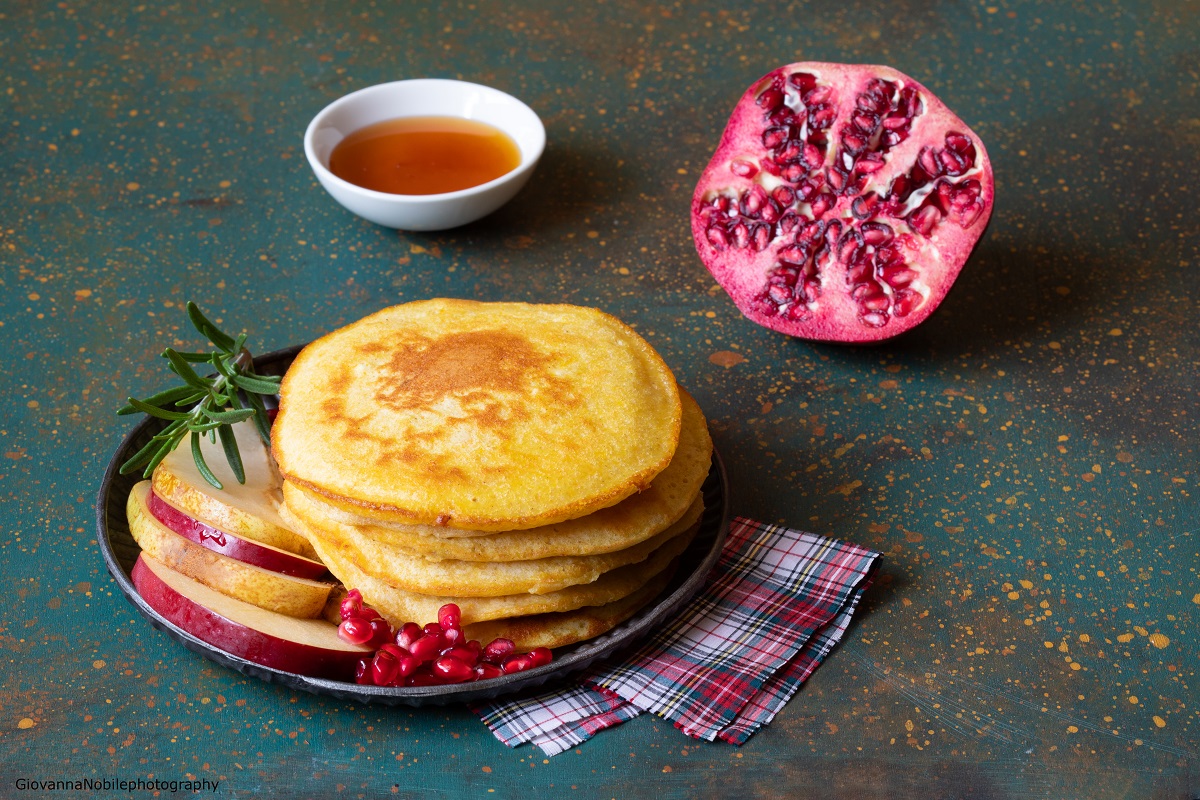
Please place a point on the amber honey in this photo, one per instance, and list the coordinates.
(424, 155)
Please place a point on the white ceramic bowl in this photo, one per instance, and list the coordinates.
(426, 97)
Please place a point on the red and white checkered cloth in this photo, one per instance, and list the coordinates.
(776, 604)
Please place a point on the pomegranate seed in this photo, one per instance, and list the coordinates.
(797, 312)
(865, 121)
(897, 276)
(408, 634)
(449, 615)
(907, 301)
(968, 216)
(869, 164)
(452, 670)
(821, 119)
(355, 630)
(857, 276)
(741, 235)
(351, 605)
(486, 671)
(819, 94)
(540, 656)
(854, 142)
(789, 153)
(771, 99)
(793, 173)
(928, 161)
(772, 211)
(517, 664)
(381, 632)
(876, 233)
(875, 319)
(876, 302)
(812, 156)
(773, 137)
(427, 648)
(432, 629)
(497, 650)
(717, 238)
(368, 613)
(463, 654)
(780, 295)
(761, 237)
(924, 219)
(407, 664)
(822, 203)
(804, 81)
(743, 168)
(753, 200)
(362, 672)
(384, 668)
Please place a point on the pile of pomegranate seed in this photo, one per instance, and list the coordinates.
(433, 655)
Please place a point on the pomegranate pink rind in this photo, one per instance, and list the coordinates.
(841, 202)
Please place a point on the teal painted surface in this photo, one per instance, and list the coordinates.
(1027, 459)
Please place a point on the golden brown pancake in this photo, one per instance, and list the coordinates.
(631, 521)
(481, 416)
(560, 629)
(399, 606)
(414, 573)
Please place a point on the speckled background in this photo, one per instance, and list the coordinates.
(1027, 459)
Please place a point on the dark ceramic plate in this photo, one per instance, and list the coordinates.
(121, 551)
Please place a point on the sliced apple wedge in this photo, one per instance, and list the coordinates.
(248, 510)
(303, 646)
(295, 597)
(225, 543)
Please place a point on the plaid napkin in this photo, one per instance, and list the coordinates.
(777, 602)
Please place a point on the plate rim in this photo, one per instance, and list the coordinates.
(576, 658)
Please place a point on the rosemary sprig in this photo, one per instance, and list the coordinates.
(205, 406)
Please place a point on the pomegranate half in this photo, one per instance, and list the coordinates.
(842, 202)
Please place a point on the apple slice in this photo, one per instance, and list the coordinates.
(303, 646)
(248, 510)
(295, 597)
(260, 555)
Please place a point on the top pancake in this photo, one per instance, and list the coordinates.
(482, 416)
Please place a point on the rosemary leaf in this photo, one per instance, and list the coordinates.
(256, 384)
(146, 453)
(154, 411)
(261, 420)
(229, 443)
(200, 323)
(183, 369)
(198, 457)
(195, 358)
(227, 417)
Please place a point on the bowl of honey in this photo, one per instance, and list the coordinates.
(424, 155)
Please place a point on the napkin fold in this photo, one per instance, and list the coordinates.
(777, 602)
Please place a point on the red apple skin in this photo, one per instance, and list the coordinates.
(243, 641)
(227, 544)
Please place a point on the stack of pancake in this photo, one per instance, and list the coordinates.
(537, 465)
